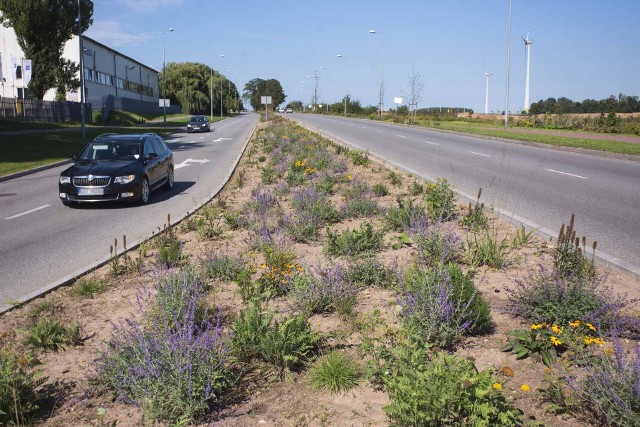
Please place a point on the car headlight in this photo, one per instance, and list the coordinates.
(65, 180)
(124, 179)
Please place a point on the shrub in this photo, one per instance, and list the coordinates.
(443, 304)
(302, 227)
(545, 296)
(416, 189)
(359, 158)
(443, 390)
(440, 200)
(325, 291)
(380, 190)
(435, 243)
(486, 248)
(288, 343)
(369, 272)
(283, 344)
(395, 179)
(50, 334)
(611, 386)
(311, 201)
(18, 384)
(326, 183)
(400, 218)
(84, 288)
(232, 219)
(354, 242)
(335, 373)
(174, 367)
(357, 201)
(225, 267)
(475, 218)
(569, 258)
(269, 175)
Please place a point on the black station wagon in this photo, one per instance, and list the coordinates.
(116, 167)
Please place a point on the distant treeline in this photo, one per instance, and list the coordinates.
(621, 104)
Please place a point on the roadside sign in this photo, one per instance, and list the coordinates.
(397, 100)
(265, 100)
(165, 102)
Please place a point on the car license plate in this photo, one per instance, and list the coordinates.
(90, 191)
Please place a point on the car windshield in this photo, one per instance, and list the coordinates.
(111, 150)
(198, 119)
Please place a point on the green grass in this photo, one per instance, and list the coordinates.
(26, 151)
(610, 146)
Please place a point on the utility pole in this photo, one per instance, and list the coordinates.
(82, 118)
(314, 101)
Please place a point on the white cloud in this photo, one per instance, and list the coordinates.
(145, 5)
(111, 34)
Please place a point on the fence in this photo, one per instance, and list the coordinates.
(44, 111)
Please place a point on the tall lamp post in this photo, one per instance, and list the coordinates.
(221, 114)
(381, 95)
(506, 102)
(346, 78)
(164, 75)
(82, 119)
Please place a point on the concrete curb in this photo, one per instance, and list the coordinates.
(133, 245)
(605, 259)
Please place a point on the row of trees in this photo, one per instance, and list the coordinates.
(198, 88)
(42, 28)
(621, 104)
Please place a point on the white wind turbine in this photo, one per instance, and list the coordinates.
(486, 96)
(527, 51)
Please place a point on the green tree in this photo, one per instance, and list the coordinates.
(42, 28)
(256, 88)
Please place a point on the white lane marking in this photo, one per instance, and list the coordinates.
(432, 143)
(565, 173)
(363, 127)
(479, 154)
(401, 136)
(186, 162)
(222, 139)
(381, 131)
(27, 212)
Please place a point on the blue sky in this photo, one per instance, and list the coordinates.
(581, 48)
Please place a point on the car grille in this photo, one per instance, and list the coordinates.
(96, 181)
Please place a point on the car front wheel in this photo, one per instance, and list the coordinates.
(169, 184)
(144, 191)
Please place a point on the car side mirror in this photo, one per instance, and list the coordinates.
(74, 158)
(151, 156)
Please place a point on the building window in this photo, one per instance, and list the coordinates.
(26, 93)
(19, 72)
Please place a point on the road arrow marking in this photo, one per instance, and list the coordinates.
(186, 162)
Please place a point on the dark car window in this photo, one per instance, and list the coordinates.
(148, 148)
(159, 149)
(111, 150)
(163, 145)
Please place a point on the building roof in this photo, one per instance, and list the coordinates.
(118, 53)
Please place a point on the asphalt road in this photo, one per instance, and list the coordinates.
(43, 243)
(537, 186)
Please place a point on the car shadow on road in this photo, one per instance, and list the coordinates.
(157, 196)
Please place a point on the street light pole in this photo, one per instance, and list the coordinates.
(82, 118)
(381, 95)
(506, 102)
(164, 76)
(211, 94)
(346, 78)
(221, 56)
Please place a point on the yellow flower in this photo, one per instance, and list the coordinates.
(536, 326)
(350, 177)
(497, 386)
(555, 341)
(263, 265)
(590, 326)
(556, 329)
(525, 387)
(299, 268)
(574, 324)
